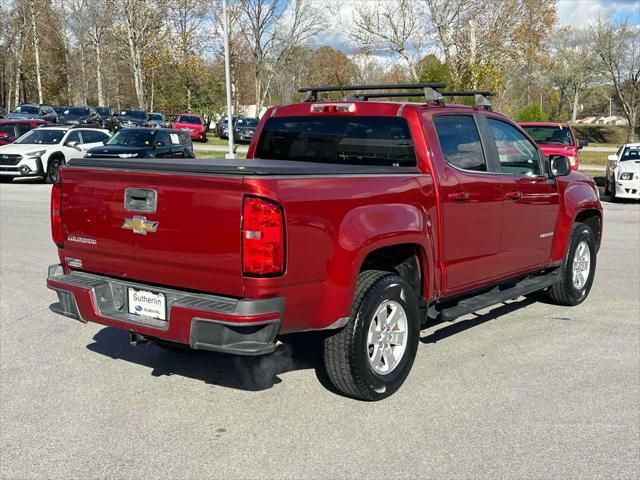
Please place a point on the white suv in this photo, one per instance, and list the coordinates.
(41, 151)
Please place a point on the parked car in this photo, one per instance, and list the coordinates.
(10, 130)
(30, 110)
(158, 120)
(105, 117)
(194, 124)
(130, 118)
(79, 116)
(222, 128)
(145, 143)
(623, 173)
(2, 112)
(41, 151)
(245, 128)
(59, 110)
(363, 221)
(556, 139)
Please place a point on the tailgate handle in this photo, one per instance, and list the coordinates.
(142, 200)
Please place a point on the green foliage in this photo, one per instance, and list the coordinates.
(433, 70)
(532, 113)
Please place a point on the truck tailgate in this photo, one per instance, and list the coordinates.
(196, 244)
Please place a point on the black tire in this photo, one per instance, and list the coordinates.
(203, 140)
(565, 292)
(52, 169)
(6, 179)
(612, 194)
(607, 187)
(345, 353)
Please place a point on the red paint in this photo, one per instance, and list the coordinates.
(570, 151)
(7, 137)
(469, 229)
(197, 131)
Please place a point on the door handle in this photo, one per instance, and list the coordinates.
(459, 196)
(513, 195)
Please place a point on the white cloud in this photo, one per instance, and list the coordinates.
(580, 12)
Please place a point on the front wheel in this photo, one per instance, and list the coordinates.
(52, 169)
(578, 269)
(372, 355)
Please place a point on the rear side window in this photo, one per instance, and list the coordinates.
(460, 142)
(516, 153)
(23, 128)
(376, 141)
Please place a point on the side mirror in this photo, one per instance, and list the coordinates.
(613, 158)
(72, 144)
(560, 165)
(159, 144)
(104, 142)
(4, 135)
(583, 142)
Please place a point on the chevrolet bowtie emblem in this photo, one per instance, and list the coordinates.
(139, 225)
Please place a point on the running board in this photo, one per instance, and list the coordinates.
(499, 295)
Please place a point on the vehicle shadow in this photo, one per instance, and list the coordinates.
(296, 352)
(478, 319)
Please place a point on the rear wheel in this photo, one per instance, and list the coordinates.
(372, 355)
(578, 268)
(52, 169)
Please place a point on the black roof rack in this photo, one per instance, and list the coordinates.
(430, 91)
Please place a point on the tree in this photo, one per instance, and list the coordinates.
(390, 26)
(99, 23)
(273, 29)
(141, 22)
(618, 51)
(574, 65)
(532, 113)
(186, 18)
(34, 10)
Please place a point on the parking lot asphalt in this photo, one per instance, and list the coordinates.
(523, 390)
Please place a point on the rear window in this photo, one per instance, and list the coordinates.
(550, 134)
(377, 141)
(189, 119)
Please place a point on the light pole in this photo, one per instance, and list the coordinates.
(227, 79)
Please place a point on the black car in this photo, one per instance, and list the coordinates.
(105, 117)
(145, 143)
(245, 128)
(59, 110)
(31, 110)
(79, 116)
(222, 129)
(131, 118)
(158, 120)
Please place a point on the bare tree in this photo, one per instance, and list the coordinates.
(391, 26)
(34, 10)
(186, 18)
(574, 66)
(273, 30)
(79, 28)
(141, 19)
(99, 22)
(618, 50)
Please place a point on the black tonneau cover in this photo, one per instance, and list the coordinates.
(221, 166)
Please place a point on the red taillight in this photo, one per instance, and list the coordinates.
(56, 214)
(262, 237)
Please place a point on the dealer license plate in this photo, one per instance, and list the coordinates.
(147, 304)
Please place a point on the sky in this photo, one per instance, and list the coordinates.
(577, 13)
(581, 12)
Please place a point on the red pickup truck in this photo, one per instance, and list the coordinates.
(556, 139)
(363, 220)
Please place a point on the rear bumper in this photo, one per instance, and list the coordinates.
(204, 322)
